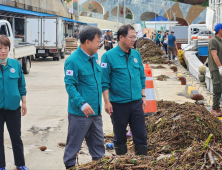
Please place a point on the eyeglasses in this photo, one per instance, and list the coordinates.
(132, 37)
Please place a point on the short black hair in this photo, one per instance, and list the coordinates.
(89, 33)
(216, 32)
(123, 30)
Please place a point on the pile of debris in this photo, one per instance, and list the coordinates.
(162, 77)
(180, 136)
(158, 67)
(150, 52)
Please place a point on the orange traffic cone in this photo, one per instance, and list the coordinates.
(150, 93)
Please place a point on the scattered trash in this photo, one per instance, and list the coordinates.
(109, 145)
(47, 150)
(158, 67)
(61, 144)
(43, 148)
(162, 77)
(180, 136)
(129, 134)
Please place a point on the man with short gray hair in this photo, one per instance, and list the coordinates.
(83, 85)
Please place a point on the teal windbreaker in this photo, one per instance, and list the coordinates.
(83, 83)
(12, 85)
(124, 78)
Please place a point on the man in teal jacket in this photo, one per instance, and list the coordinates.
(123, 85)
(83, 85)
(158, 38)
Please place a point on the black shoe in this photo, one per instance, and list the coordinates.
(70, 167)
(141, 149)
(120, 149)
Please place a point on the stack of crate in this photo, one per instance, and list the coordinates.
(71, 44)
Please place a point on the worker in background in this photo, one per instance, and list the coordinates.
(76, 35)
(158, 38)
(83, 85)
(112, 40)
(215, 67)
(145, 35)
(154, 37)
(165, 41)
(12, 91)
(108, 40)
(123, 85)
(171, 45)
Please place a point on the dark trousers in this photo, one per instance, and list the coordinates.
(158, 43)
(107, 48)
(132, 113)
(165, 46)
(171, 49)
(13, 123)
(217, 88)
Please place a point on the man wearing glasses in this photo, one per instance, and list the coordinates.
(123, 85)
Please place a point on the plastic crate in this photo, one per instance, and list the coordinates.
(203, 51)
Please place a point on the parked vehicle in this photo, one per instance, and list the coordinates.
(115, 36)
(48, 35)
(203, 35)
(22, 51)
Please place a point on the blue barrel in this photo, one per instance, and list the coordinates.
(109, 145)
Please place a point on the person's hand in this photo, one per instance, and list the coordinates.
(109, 108)
(220, 70)
(144, 102)
(24, 109)
(88, 111)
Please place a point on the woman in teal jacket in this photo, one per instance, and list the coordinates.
(12, 91)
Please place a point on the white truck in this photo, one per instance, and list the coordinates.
(24, 52)
(47, 33)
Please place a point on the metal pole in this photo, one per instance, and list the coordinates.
(155, 15)
(13, 26)
(117, 24)
(124, 12)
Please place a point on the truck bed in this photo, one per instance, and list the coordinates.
(24, 49)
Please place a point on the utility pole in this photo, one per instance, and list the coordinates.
(117, 25)
(124, 12)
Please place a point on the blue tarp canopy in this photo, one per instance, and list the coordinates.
(23, 12)
(70, 20)
(159, 18)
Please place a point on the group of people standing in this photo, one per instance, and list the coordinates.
(120, 79)
(167, 42)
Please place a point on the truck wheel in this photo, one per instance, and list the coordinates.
(62, 55)
(26, 65)
(57, 55)
(54, 58)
